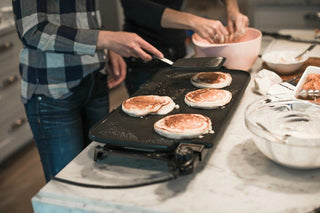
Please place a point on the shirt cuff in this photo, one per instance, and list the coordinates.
(86, 42)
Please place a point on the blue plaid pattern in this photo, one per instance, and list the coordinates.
(59, 44)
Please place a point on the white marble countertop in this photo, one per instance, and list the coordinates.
(235, 177)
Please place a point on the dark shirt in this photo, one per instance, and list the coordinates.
(144, 18)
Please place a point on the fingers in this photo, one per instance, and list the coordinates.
(112, 82)
(115, 69)
(237, 24)
(117, 63)
(210, 39)
(220, 33)
(231, 27)
(220, 37)
(142, 54)
(123, 69)
(242, 24)
(114, 62)
(129, 44)
(149, 48)
(223, 30)
(119, 71)
(141, 49)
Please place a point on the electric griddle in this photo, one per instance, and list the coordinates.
(135, 137)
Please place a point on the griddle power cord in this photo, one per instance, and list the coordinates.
(171, 177)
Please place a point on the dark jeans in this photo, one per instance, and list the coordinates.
(139, 71)
(60, 126)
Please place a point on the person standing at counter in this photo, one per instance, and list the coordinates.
(63, 90)
(163, 25)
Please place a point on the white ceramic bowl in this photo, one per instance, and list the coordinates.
(283, 62)
(239, 55)
(298, 119)
(309, 70)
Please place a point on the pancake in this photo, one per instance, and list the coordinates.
(148, 104)
(182, 126)
(208, 98)
(211, 80)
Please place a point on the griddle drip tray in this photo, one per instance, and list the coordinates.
(180, 162)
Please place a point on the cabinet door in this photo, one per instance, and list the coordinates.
(15, 131)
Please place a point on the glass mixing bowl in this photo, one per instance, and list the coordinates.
(286, 130)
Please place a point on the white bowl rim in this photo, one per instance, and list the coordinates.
(207, 45)
(265, 57)
(284, 100)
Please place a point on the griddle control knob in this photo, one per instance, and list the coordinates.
(184, 156)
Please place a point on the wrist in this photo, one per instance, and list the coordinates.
(232, 6)
(193, 22)
(103, 41)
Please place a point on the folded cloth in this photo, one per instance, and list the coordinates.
(282, 88)
(264, 80)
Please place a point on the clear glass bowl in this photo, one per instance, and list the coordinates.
(286, 130)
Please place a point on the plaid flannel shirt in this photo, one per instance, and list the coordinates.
(59, 44)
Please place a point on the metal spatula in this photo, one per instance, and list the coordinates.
(203, 62)
(298, 57)
(165, 60)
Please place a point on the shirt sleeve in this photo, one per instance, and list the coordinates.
(143, 12)
(37, 32)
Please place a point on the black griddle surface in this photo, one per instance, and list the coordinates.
(120, 129)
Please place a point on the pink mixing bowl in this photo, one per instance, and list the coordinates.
(239, 55)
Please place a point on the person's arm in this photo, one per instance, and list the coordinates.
(153, 15)
(212, 30)
(127, 44)
(37, 32)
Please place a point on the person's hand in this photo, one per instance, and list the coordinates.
(209, 29)
(127, 44)
(237, 24)
(117, 69)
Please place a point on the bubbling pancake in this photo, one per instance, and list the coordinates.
(208, 98)
(148, 104)
(211, 80)
(182, 126)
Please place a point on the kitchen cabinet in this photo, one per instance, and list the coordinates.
(15, 132)
(274, 15)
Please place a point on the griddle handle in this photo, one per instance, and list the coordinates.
(98, 153)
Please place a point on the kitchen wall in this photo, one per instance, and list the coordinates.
(111, 14)
(285, 14)
(271, 15)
